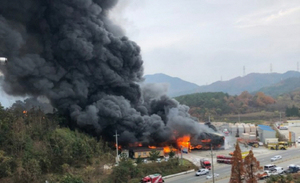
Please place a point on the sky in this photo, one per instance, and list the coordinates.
(203, 41)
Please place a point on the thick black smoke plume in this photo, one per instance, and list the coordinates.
(71, 53)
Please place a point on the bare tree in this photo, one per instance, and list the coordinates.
(237, 168)
(251, 167)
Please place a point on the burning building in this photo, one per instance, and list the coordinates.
(72, 54)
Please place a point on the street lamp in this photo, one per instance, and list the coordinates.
(212, 163)
(181, 154)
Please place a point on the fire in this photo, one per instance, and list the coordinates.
(119, 147)
(196, 147)
(24, 112)
(184, 142)
(136, 144)
(152, 147)
(168, 149)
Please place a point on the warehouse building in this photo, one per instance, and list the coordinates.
(293, 123)
(265, 132)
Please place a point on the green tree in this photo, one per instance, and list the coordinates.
(237, 168)
(251, 167)
(171, 154)
(139, 160)
(153, 155)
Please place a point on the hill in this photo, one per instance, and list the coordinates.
(176, 85)
(252, 82)
(285, 86)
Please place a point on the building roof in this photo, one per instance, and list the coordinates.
(144, 149)
(265, 128)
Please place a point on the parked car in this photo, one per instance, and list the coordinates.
(275, 158)
(269, 167)
(264, 175)
(278, 170)
(210, 176)
(202, 171)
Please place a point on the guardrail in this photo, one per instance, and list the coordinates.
(177, 174)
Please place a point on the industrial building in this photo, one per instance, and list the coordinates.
(265, 132)
(293, 123)
(144, 152)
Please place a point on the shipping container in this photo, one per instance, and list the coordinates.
(271, 140)
(252, 137)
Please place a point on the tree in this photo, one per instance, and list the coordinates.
(237, 168)
(153, 155)
(171, 154)
(251, 167)
(139, 160)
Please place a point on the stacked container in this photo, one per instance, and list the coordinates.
(241, 129)
(247, 128)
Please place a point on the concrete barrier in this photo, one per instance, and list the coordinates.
(177, 174)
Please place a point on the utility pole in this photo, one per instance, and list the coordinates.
(280, 116)
(212, 163)
(117, 147)
(181, 154)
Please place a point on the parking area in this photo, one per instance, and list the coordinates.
(230, 141)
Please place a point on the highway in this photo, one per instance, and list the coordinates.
(225, 170)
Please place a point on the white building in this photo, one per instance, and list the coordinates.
(294, 123)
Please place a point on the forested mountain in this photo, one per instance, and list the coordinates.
(288, 85)
(252, 83)
(217, 104)
(176, 86)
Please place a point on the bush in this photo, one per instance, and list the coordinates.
(7, 165)
(71, 179)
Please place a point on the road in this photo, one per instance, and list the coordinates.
(224, 170)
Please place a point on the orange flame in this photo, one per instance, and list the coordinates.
(136, 144)
(24, 112)
(168, 149)
(184, 142)
(119, 147)
(152, 147)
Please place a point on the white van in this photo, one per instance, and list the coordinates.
(278, 170)
(269, 167)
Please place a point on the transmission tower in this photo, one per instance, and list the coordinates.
(271, 68)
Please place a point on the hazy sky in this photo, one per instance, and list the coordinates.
(203, 41)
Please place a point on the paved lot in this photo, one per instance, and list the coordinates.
(196, 155)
